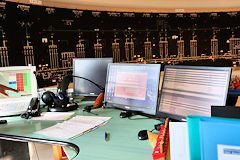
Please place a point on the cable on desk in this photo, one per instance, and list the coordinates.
(90, 112)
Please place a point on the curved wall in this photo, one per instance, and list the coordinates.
(153, 6)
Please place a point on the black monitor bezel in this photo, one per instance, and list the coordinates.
(121, 106)
(89, 59)
(161, 114)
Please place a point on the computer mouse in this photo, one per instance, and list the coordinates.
(142, 135)
(125, 114)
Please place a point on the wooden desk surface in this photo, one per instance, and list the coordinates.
(123, 143)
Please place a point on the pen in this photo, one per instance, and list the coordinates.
(106, 136)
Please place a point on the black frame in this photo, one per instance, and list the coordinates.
(160, 114)
(74, 79)
(121, 106)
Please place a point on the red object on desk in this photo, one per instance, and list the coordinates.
(159, 152)
(99, 100)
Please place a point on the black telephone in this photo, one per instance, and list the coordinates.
(33, 109)
(34, 104)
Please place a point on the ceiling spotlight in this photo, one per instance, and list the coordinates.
(179, 10)
(114, 14)
(179, 15)
(37, 2)
(213, 14)
(193, 15)
(146, 15)
(232, 14)
(163, 15)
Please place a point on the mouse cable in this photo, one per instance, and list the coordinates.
(152, 130)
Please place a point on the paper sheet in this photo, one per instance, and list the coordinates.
(179, 143)
(53, 116)
(76, 126)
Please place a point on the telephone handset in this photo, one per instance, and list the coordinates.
(34, 104)
(33, 109)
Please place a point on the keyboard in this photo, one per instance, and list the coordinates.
(14, 108)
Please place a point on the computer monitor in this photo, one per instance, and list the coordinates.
(192, 90)
(133, 87)
(21, 78)
(94, 69)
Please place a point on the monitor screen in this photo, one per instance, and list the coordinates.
(192, 90)
(20, 78)
(133, 87)
(94, 69)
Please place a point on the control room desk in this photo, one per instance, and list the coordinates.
(123, 143)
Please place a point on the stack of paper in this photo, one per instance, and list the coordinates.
(74, 127)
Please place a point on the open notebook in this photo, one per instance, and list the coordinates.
(74, 127)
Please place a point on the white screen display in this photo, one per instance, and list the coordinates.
(193, 90)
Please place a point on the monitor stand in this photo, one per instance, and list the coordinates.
(89, 98)
(129, 113)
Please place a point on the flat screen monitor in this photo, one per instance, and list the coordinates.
(133, 87)
(94, 69)
(21, 78)
(192, 90)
